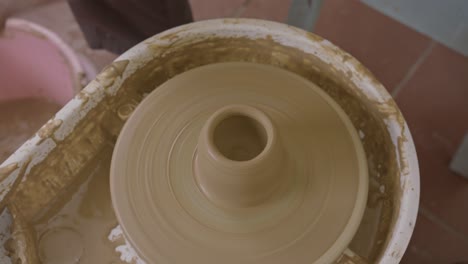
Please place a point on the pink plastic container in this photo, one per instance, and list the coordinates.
(35, 62)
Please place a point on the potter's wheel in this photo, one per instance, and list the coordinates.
(238, 163)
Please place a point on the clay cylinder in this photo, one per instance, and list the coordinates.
(239, 157)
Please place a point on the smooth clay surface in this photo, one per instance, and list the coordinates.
(239, 163)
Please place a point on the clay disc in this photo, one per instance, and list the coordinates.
(310, 218)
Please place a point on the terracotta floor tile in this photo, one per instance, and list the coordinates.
(207, 9)
(414, 256)
(382, 44)
(435, 105)
(275, 10)
(431, 243)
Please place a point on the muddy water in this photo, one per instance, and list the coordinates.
(74, 228)
(20, 119)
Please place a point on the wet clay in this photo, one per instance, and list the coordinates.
(240, 163)
(20, 119)
(74, 228)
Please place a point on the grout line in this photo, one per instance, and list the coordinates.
(241, 9)
(412, 70)
(441, 223)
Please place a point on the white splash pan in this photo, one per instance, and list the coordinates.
(35, 150)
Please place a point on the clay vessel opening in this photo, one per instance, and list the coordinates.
(239, 157)
(239, 137)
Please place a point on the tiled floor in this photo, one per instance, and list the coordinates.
(435, 104)
(430, 84)
(386, 47)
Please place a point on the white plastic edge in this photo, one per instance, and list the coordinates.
(253, 29)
